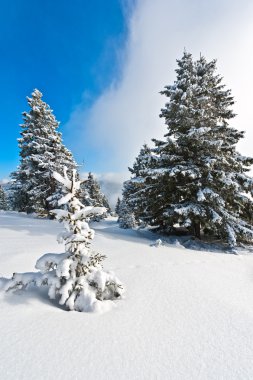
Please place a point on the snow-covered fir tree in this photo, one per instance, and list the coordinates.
(138, 191)
(76, 277)
(92, 195)
(117, 206)
(199, 180)
(126, 218)
(41, 152)
(3, 199)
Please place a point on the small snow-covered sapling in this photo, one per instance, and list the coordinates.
(76, 277)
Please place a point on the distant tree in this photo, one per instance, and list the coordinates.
(41, 152)
(92, 195)
(126, 218)
(138, 190)
(199, 178)
(3, 199)
(106, 204)
(75, 278)
(117, 207)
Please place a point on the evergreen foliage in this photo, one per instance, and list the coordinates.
(3, 200)
(41, 153)
(75, 278)
(138, 191)
(126, 218)
(92, 195)
(117, 207)
(195, 178)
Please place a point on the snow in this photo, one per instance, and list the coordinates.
(186, 314)
(49, 261)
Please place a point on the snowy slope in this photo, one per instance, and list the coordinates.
(186, 314)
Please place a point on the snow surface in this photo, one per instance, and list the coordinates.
(186, 314)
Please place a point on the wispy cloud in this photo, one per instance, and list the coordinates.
(125, 115)
(4, 181)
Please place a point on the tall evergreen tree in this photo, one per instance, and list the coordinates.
(200, 177)
(41, 152)
(3, 199)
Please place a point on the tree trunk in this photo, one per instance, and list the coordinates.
(196, 228)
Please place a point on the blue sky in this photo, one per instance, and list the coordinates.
(66, 49)
(102, 63)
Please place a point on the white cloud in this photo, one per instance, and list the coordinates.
(4, 181)
(111, 185)
(126, 114)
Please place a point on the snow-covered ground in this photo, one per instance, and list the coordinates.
(186, 314)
